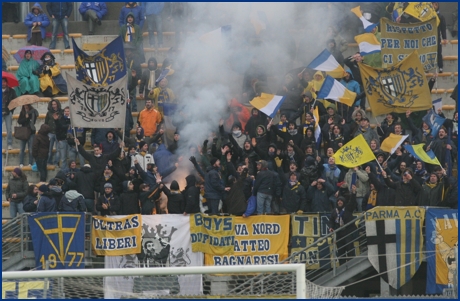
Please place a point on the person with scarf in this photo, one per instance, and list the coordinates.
(257, 118)
(51, 80)
(356, 117)
(108, 203)
(315, 85)
(419, 135)
(340, 217)
(293, 133)
(108, 176)
(28, 80)
(131, 34)
(333, 139)
(294, 197)
(420, 173)
(138, 13)
(149, 77)
(129, 199)
(292, 154)
(433, 191)
(236, 136)
(36, 22)
(331, 172)
(309, 123)
(331, 117)
(93, 12)
(440, 145)
(307, 105)
(162, 94)
(379, 194)
(283, 123)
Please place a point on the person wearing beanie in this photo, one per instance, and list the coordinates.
(257, 118)
(46, 202)
(175, 143)
(294, 196)
(191, 195)
(406, 191)
(365, 129)
(72, 201)
(340, 216)
(129, 199)
(108, 203)
(109, 176)
(318, 195)
(16, 191)
(133, 176)
(433, 191)
(176, 201)
(213, 186)
(110, 144)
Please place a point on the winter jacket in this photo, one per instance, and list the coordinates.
(62, 126)
(31, 18)
(112, 201)
(28, 203)
(72, 201)
(59, 10)
(451, 194)
(129, 201)
(56, 193)
(143, 87)
(264, 183)
(176, 202)
(85, 180)
(120, 167)
(432, 194)
(347, 217)
(362, 185)
(385, 195)
(30, 121)
(148, 198)
(369, 134)
(41, 144)
(99, 7)
(98, 163)
(19, 186)
(406, 194)
(213, 185)
(236, 202)
(46, 203)
(109, 147)
(137, 12)
(7, 97)
(294, 198)
(191, 195)
(319, 199)
(114, 180)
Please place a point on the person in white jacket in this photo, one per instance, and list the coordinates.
(142, 156)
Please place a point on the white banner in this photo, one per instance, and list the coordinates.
(165, 243)
(98, 106)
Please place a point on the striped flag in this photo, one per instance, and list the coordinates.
(334, 90)
(437, 104)
(326, 62)
(268, 103)
(420, 154)
(392, 142)
(317, 128)
(368, 26)
(368, 44)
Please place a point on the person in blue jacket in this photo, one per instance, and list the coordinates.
(93, 12)
(136, 10)
(59, 13)
(36, 22)
(352, 85)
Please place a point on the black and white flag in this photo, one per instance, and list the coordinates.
(98, 107)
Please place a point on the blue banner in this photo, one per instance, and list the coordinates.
(441, 240)
(103, 68)
(434, 121)
(58, 238)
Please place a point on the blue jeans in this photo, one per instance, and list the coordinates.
(63, 148)
(155, 21)
(263, 203)
(63, 22)
(22, 148)
(53, 141)
(16, 208)
(360, 204)
(8, 119)
(41, 166)
(73, 155)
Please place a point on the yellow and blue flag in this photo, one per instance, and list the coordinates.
(397, 88)
(334, 90)
(420, 154)
(434, 121)
(368, 44)
(392, 142)
(103, 68)
(441, 241)
(368, 26)
(326, 62)
(269, 104)
(355, 153)
(317, 127)
(423, 11)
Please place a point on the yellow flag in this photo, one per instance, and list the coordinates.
(423, 11)
(392, 142)
(356, 152)
(399, 88)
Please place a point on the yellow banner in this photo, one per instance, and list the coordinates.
(259, 239)
(213, 235)
(397, 89)
(423, 11)
(398, 40)
(116, 235)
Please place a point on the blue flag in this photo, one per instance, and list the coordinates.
(103, 68)
(434, 121)
(58, 238)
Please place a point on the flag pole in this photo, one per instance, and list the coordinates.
(381, 168)
(378, 124)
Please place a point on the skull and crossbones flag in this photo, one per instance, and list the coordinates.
(98, 106)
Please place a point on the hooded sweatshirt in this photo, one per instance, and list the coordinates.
(135, 10)
(32, 18)
(72, 201)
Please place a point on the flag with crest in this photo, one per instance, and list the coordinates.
(355, 153)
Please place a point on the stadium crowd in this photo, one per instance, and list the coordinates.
(250, 164)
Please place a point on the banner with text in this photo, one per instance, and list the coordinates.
(398, 40)
(116, 235)
(59, 239)
(213, 235)
(441, 241)
(258, 240)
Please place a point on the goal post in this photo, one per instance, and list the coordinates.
(296, 269)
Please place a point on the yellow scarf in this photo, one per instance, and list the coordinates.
(372, 200)
(129, 33)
